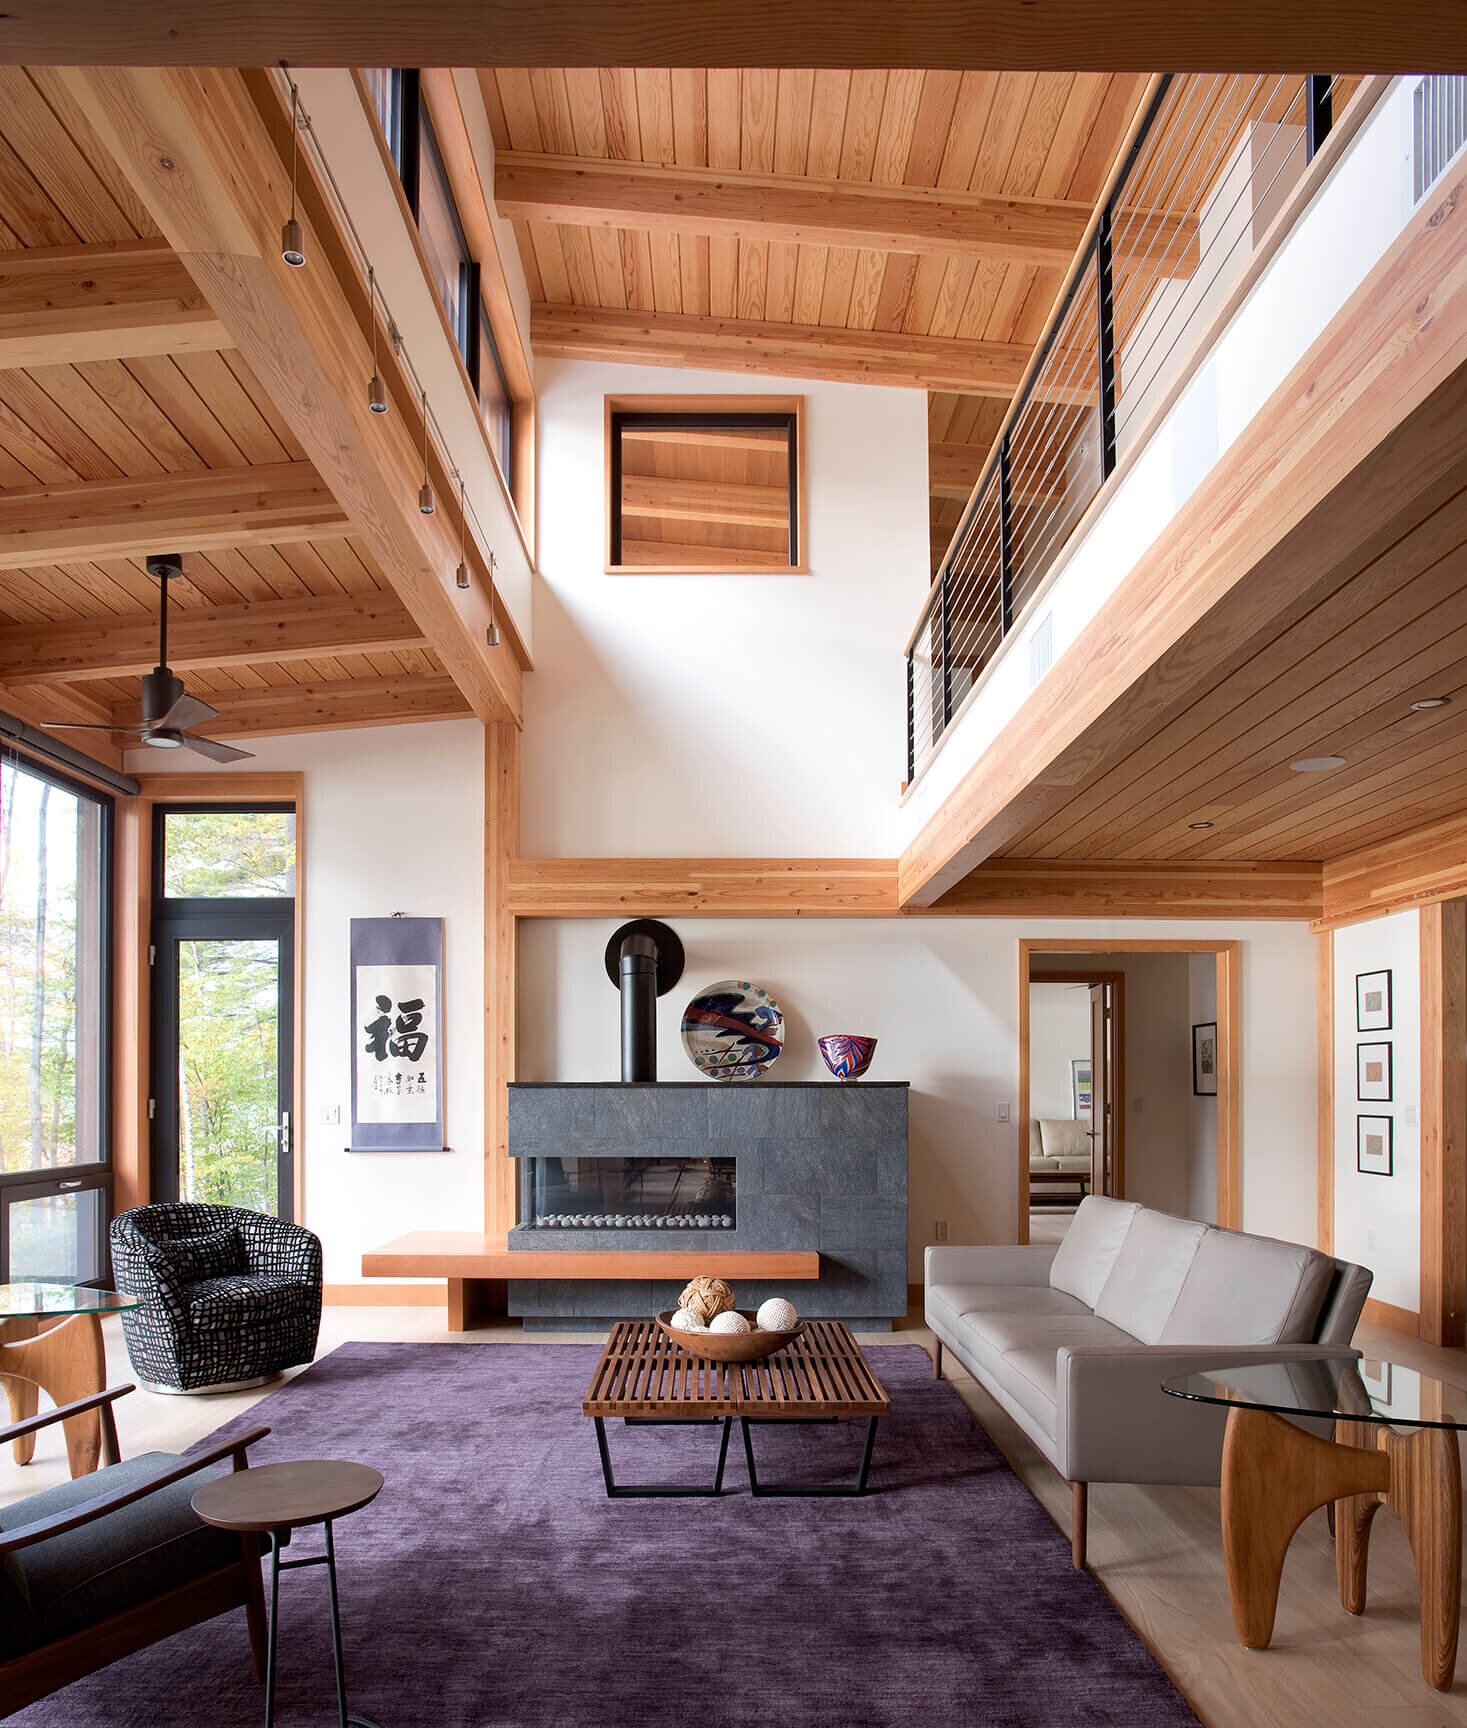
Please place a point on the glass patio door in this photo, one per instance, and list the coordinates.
(223, 1009)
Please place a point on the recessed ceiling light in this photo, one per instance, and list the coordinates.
(1199, 824)
(1430, 702)
(1316, 764)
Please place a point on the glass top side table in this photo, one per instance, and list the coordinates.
(1395, 1444)
(51, 1341)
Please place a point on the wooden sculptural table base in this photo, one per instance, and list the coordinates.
(63, 1358)
(1275, 1474)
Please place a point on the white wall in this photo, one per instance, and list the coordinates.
(725, 716)
(1059, 1033)
(1378, 1218)
(394, 822)
(942, 997)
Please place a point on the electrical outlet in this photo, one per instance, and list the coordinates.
(940, 1230)
(1411, 1116)
(1003, 1112)
(328, 1114)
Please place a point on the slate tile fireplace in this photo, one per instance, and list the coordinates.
(758, 1165)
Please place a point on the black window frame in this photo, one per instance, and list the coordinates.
(243, 917)
(39, 1184)
(709, 420)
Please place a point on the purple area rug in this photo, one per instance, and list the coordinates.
(493, 1585)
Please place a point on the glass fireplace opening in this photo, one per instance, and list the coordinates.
(632, 1193)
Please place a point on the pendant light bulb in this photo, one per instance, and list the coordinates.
(491, 635)
(376, 389)
(427, 504)
(461, 575)
(293, 234)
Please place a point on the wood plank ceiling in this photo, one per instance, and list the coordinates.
(1049, 136)
(148, 416)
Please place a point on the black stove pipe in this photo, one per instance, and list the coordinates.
(638, 982)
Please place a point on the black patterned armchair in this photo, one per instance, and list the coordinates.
(229, 1297)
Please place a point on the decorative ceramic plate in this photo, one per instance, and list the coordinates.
(733, 1030)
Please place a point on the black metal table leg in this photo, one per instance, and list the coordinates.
(834, 1490)
(666, 1490)
(277, 1566)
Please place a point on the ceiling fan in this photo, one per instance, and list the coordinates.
(168, 712)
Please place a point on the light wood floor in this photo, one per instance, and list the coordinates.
(1156, 1550)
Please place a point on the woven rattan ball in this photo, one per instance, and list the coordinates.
(706, 1297)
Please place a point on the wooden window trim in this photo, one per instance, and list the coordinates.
(475, 224)
(711, 405)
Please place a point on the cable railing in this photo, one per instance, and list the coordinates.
(1210, 164)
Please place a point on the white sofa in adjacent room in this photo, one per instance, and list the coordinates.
(1074, 1341)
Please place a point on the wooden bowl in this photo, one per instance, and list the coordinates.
(728, 1346)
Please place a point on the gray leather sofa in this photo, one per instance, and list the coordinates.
(1075, 1341)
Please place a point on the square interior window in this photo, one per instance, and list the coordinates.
(228, 854)
(706, 485)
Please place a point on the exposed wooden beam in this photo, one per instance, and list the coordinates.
(1068, 35)
(191, 512)
(252, 633)
(711, 887)
(331, 706)
(1300, 501)
(771, 443)
(590, 192)
(786, 350)
(1418, 868)
(1044, 888)
(678, 557)
(206, 160)
(63, 304)
(36, 705)
(953, 471)
(705, 501)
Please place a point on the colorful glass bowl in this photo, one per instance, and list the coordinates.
(847, 1055)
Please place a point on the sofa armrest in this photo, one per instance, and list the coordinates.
(1115, 1424)
(989, 1265)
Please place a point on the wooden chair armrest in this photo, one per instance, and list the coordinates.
(27, 1535)
(63, 1412)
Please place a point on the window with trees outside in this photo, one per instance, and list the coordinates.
(223, 1005)
(55, 892)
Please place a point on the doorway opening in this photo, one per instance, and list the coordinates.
(223, 1005)
(1128, 1079)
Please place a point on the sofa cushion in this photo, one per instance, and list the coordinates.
(187, 1259)
(1029, 1377)
(987, 1331)
(1091, 1244)
(1063, 1139)
(72, 1581)
(953, 1301)
(1148, 1274)
(245, 1299)
(1036, 1140)
(1249, 1290)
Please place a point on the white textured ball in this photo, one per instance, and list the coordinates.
(729, 1321)
(777, 1315)
(683, 1321)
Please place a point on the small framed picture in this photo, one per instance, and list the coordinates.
(1374, 1146)
(1080, 1080)
(1374, 1075)
(1204, 1060)
(1373, 1001)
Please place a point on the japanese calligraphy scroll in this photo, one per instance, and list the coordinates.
(397, 1049)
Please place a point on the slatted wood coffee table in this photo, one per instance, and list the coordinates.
(643, 1377)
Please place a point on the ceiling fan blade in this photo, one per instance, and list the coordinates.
(216, 752)
(186, 711)
(81, 726)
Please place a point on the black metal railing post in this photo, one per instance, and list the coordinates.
(1105, 319)
(911, 719)
(1319, 111)
(947, 638)
(1005, 542)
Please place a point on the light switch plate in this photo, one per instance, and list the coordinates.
(1003, 1112)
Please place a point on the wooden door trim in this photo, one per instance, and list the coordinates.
(1228, 955)
(1443, 1270)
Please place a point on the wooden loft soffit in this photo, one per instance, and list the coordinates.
(1248, 35)
(202, 149)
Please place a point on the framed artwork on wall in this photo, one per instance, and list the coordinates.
(1204, 1060)
(1373, 1001)
(1374, 1145)
(1374, 1073)
(1080, 1079)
